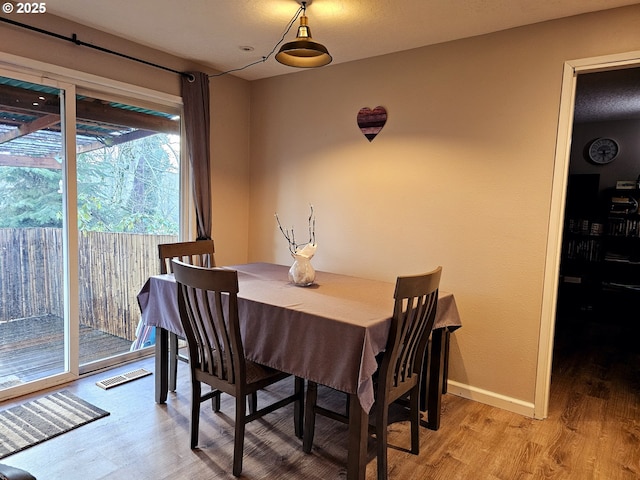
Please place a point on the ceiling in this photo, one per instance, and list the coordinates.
(228, 34)
(608, 96)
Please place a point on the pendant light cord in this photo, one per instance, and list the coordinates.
(74, 39)
(302, 9)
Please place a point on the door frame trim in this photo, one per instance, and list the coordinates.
(556, 214)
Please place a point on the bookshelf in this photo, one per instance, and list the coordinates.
(621, 259)
(582, 248)
(600, 264)
(580, 266)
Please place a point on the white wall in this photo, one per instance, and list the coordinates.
(460, 176)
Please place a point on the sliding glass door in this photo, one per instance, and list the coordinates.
(128, 164)
(89, 186)
(33, 319)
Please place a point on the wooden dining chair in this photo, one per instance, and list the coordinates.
(400, 370)
(199, 252)
(208, 306)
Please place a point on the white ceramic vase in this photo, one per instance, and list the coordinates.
(302, 273)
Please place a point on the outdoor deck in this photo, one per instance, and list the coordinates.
(32, 348)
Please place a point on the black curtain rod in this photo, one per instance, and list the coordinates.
(74, 39)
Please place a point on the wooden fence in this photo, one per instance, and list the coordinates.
(112, 269)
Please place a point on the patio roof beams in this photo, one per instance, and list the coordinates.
(30, 126)
(27, 128)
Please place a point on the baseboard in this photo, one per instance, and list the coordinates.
(491, 398)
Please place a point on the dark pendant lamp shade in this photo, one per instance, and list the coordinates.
(304, 52)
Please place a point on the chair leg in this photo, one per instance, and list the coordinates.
(382, 419)
(253, 402)
(238, 442)
(173, 361)
(215, 401)
(445, 368)
(298, 407)
(195, 411)
(310, 416)
(347, 406)
(414, 417)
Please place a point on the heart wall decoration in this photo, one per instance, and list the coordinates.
(371, 121)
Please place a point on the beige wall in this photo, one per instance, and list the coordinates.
(460, 176)
(229, 103)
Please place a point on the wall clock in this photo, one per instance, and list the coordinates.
(603, 150)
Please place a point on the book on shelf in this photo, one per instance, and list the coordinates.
(621, 286)
(571, 279)
(585, 227)
(618, 257)
(623, 204)
(626, 184)
(625, 227)
(583, 249)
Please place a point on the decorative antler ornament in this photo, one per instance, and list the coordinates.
(294, 247)
(301, 272)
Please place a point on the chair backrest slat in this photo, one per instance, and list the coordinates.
(207, 301)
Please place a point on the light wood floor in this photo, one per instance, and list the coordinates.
(593, 432)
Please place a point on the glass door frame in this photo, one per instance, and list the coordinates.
(186, 205)
(70, 234)
(70, 238)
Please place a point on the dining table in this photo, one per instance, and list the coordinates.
(329, 332)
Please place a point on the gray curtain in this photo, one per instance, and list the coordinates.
(195, 96)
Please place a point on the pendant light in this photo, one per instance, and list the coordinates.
(304, 52)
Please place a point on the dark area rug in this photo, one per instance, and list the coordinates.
(38, 420)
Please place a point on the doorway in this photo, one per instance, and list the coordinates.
(600, 263)
(564, 147)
